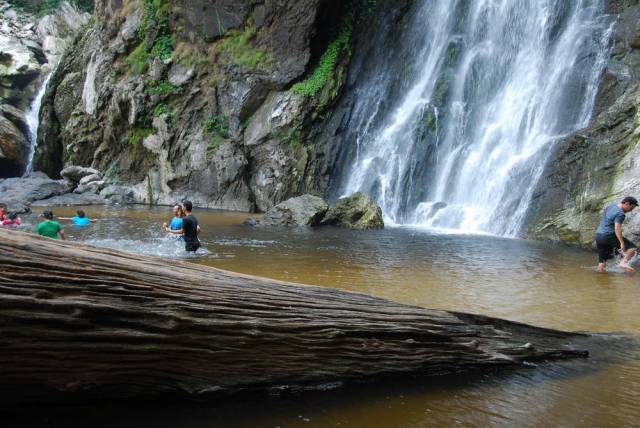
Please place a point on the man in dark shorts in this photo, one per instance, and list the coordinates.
(190, 228)
(609, 234)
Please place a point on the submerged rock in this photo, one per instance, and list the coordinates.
(305, 210)
(357, 211)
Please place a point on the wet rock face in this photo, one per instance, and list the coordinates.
(28, 48)
(597, 165)
(174, 126)
(357, 211)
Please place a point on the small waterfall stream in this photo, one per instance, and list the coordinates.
(486, 88)
(33, 120)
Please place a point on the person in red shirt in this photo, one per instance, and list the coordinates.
(11, 219)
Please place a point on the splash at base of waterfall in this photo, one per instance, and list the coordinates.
(475, 95)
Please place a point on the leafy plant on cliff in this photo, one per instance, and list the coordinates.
(141, 130)
(163, 88)
(136, 135)
(216, 128)
(155, 17)
(217, 124)
(240, 47)
(138, 60)
(326, 67)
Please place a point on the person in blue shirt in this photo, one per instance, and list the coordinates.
(176, 221)
(609, 234)
(80, 219)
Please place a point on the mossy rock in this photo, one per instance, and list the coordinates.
(357, 211)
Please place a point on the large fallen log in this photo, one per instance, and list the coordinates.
(75, 318)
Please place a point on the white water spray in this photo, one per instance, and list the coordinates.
(503, 80)
(33, 121)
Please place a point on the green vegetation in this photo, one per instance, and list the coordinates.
(216, 124)
(49, 6)
(216, 128)
(138, 60)
(292, 137)
(214, 144)
(163, 47)
(163, 109)
(326, 67)
(429, 120)
(155, 17)
(240, 48)
(136, 135)
(140, 130)
(163, 88)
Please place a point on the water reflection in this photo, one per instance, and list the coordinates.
(532, 282)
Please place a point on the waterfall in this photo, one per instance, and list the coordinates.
(33, 121)
(463, 129)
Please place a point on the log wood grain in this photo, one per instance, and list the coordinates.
(76, 319)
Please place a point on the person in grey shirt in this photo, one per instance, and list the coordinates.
(609, 234)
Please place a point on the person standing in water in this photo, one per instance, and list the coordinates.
(609, 235)
(176, 223)
(190, 228)
(50, 228)
(80, 219)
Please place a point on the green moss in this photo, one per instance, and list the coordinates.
(214, 144)
(291, 137)
(216, 128)
(325, 69)
(239, 46)
(163, 47)
(164, 110)
(136, 135)
(156, 17)
(138, 60)
(163, 88)
(217, 124)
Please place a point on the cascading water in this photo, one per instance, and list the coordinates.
(486, 88)
(33, 121)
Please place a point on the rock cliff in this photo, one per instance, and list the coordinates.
(225, 102)
(597, 165)
(29, 48)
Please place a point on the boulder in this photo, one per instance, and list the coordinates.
(90, 178)
(76, 173)
(18, 193)
(357, 211)
(118, 194)
(305, 210)
(90, 187)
